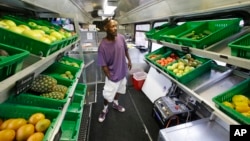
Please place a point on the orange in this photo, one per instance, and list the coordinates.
(38, 136)
(42, 125)
(242, 109)
(7, 135)
(23, 133)
(34, 118)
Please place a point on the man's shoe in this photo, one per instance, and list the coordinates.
(102, 116)
(118, 108)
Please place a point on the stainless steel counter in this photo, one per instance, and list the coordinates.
(199, 130)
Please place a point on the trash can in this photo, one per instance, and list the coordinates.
(138, 79)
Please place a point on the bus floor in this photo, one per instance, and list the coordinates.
(135, 124)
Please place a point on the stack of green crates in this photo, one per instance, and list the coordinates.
(243, 88)
(13, 63)
(241, 47)
(8, 111)
(72, 121)
(209, 32)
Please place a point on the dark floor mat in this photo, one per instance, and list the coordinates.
(128, 126)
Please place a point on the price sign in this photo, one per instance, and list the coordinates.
(24, 84)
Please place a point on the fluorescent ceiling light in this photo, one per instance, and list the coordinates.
(108, 9)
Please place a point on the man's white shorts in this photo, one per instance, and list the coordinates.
(111, 88)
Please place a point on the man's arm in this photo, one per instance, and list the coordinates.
(106, 71)
(129, 61)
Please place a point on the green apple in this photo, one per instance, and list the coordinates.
(24, 27)
(51, 38)
(32, 34)
(57, 35)
(4, 25)
(39, 31)
(16, 29)
(45, 29)
(32, 24)
(68, 34)
(45, 40)
(9, 22)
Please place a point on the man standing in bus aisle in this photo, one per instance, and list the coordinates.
(115, 61)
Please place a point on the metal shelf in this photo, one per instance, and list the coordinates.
(218, 51)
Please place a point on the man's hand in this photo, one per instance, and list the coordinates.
(129, 65)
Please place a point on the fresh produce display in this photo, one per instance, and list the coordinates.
(20, 129)
(184, 65)
(197, 36)
(240, 103)
(167, 60)
(70, 63)
(47, 86)
(35, 31)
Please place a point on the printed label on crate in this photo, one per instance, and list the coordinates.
(24, 84)
(239, 132)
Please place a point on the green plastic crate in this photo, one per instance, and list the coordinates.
(241, 47)
(56, 69)
(218, 30)
(68, 59)
(71, 126)
(19, 111)
(13, 63)
(156, 32)
(241, 88)
(78, 99)
(77, 103)
(206, 66)
(33, 99)
(24, 42)
(172, 34)
(156, 54)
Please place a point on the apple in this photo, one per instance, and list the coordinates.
(39, 31)
(51, 38)
(9, 22)
(24, 27)
(68, 34)
(57, 35)
(45, 40)
(4, 25)
(45, 29)
(16, 29)
(32, 24)
(32, 34)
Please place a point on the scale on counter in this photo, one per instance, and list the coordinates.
(167, 108)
